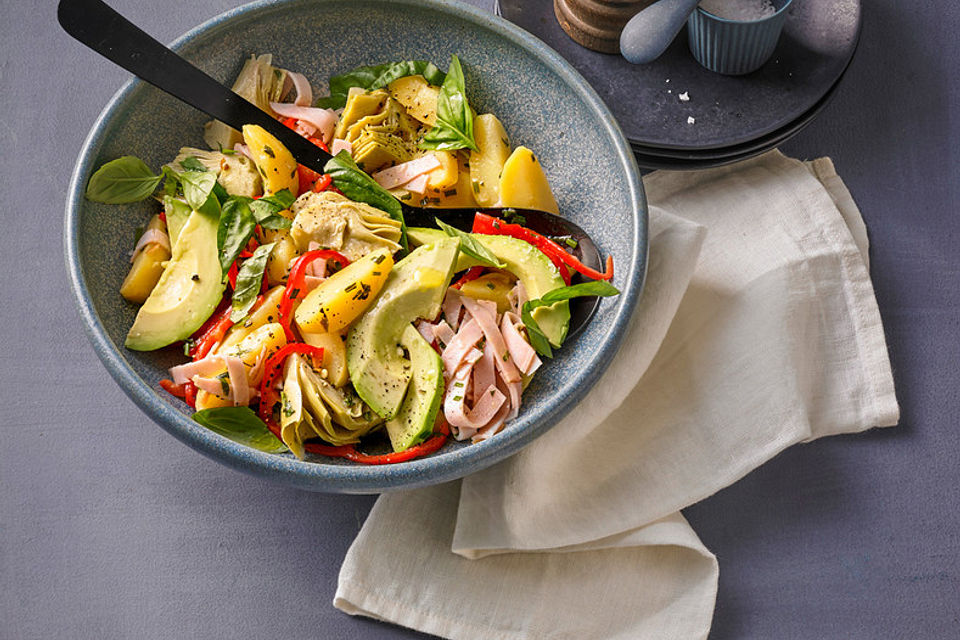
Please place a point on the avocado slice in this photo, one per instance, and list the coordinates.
(414, 422)
(523, 260)
(414, 289)
(188, 291)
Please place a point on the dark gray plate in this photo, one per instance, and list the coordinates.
(818, 41)
(660, 158)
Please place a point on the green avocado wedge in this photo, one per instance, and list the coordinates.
(188, 291)
(414, 421)
(414, 289)
(529, 264)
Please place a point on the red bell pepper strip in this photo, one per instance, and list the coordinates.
(190, 394)
(212, 331)
(232, 274)
(482, 223)
(295, 284)
(176, 390)
(271, 371)
(472, 274)
(324, 183)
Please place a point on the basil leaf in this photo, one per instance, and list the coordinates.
(267, 210)
(126, 179)
(198, 191)
(242, 425)
(471, 246)
(236, 226)
(192, 164)
(538, 340)
(360, 187)
(454, 128)
(249, 280)
(171, 182)
(375, 77)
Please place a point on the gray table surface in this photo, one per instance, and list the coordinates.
(109, 528)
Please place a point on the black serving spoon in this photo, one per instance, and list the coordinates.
(114, 37)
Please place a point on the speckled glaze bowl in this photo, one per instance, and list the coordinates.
(543, 103)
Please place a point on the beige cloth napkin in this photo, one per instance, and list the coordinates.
(758, 329)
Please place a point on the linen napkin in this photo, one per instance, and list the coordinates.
(757, 329)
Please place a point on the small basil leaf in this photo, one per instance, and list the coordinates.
(171, 182)
(249, 280)
(360, 187)
(470, 246)
(454, 127)
(538, 340)
(267, 210)
(242, 425)
(192, 164)
(126, 179)
(375, 77)
(197, 190)
(236, 226)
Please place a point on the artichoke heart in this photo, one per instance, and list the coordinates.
(260, 83)
(236, 173)
(335, 222)
(379, 130)
(312, 408)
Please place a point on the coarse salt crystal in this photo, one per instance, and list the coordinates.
(684, 97)
(691, 120)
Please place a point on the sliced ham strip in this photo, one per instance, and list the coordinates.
(520, 350)
(210, 385)
(444, 333)
(484, 313)
(517, 297)
(204, 368)
(239, 386)
(494, 426)
(406, 171)
(150, 236)
(256, 372)
(452, 304)
(324, 120)
(464, 421)
(484, 373)
(243, 150)
(426, 329)
(418, 185)
(304, 96)
(460, 346)
(339, 144)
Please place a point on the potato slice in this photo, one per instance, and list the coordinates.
(276, 164)
(147, 267)
(487, 163)
(493, 286)
(334, 365)
(264, 314)
(457, 195)
(446, 175)
(342, 297)
(417, 96)
(524, 185)
(283, 252)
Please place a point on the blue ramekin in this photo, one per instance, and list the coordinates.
(735, 47)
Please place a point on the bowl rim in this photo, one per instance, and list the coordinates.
(343, 478)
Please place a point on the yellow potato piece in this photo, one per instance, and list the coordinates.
(276, 164)
(487, 163)
(446, 175)
(458, 195)
(342, 297)
(144, 273)
(417, 96)
(334, 366)
(267, 339)
(264, 314)
(524, 185)
(493, 286)
(147, 267)
(283, 252)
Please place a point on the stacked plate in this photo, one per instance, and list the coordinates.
(678, 115)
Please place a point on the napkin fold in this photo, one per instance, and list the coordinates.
(758, 329)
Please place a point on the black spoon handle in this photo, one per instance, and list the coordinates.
(111, 35)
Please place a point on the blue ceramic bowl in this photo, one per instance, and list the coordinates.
(543, 103)
(735, 47)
